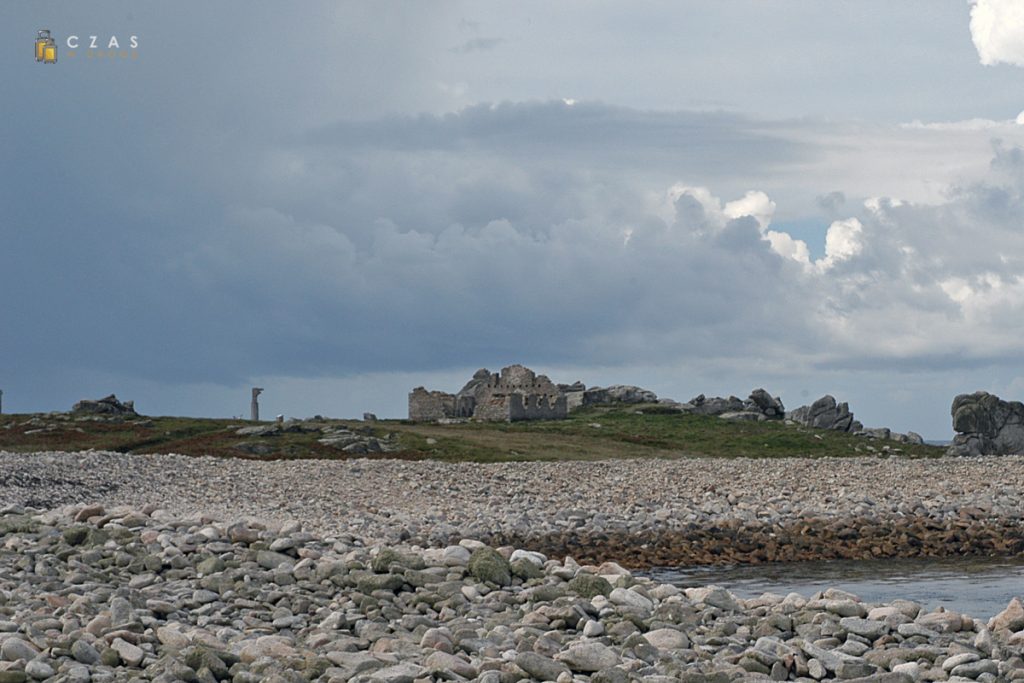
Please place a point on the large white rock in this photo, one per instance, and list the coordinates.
(528, 555)
(624, 596)
(456, 556)
(399, 673)
(950, 663)
(911, 669)
(714, 596)
(130, 654)
(667, 639)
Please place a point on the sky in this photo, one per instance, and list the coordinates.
(340, 201)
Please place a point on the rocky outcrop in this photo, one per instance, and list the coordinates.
(759, 406)
(766, 404)
(825, 413)
(357, 441)
(702, 405)
(618, 393)
(987, 425)
(108, 406)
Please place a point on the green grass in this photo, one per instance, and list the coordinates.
(591, 434)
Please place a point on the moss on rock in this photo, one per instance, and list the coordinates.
(488, 566)
(387, 557)
(75, 535)
(526, 570)
(590, 586)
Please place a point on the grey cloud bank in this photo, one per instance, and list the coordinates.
(340, 229)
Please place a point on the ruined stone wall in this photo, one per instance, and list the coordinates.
(515, 407)
(516, 393)
(498, 408)
(430, 406)
(537, 407)
(574, 400)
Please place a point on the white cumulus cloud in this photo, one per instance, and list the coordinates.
(755, 204)
(997, 29)
(843, 241)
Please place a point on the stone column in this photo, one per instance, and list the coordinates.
(255, 405)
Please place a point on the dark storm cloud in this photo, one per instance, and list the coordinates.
(336, 194)
(593, 133)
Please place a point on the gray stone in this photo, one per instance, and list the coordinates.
(915, 439)
(120, 611)
(588, 657)
(987, 425)
(624, 596)
(456, 556)
(351, 664)
(943, 622)
(38, 670)
(442, 662)
(667, 639)
(826, 413)
(539, 666)
(701, 405)
(866, 628)
(107, 406)
(618, 675)
(618, 393)
(912, 629)
(816, 669)
(399, 673)
(84, 652)
(848, 669)
(367, 583)
(975, 669)
(15, 648)
(269, 559)
(130, 654)
(766, 404)
(715, 596)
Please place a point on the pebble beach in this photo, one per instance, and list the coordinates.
(128, 567)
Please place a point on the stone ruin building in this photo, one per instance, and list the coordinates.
(516, 393)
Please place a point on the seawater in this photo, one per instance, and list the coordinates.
(979, 587)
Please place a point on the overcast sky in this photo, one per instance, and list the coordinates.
(340, 201)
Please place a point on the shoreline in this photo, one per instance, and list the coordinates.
(675, 512)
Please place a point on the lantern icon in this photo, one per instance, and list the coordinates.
(46, 47)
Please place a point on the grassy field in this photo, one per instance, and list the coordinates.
(592, 434)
